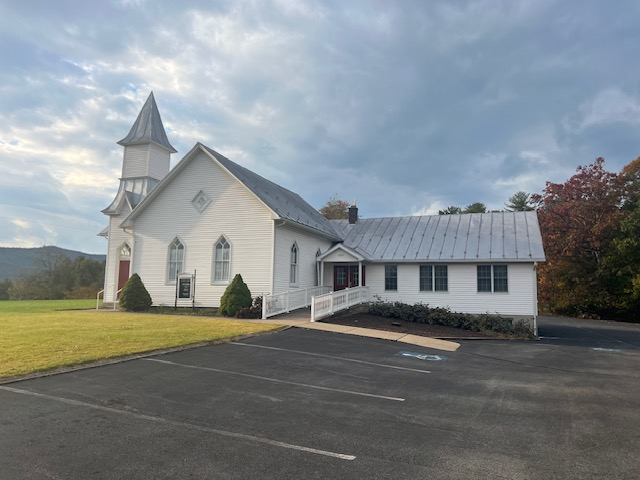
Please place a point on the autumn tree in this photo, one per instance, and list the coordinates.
(579, 220)
(519, 202)
(335, 209)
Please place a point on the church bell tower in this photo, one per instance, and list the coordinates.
(146, 161)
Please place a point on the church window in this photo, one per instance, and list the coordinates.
(293, 272)
(222, 261)
(125, 251)
(175, 264)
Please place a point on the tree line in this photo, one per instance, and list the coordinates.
(55, 277)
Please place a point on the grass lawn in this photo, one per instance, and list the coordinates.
(41, 335)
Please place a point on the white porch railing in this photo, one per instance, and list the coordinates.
(325, 305)
(291, 300)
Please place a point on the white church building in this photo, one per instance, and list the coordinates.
(215, 218)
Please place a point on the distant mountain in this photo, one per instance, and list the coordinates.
(13, 261)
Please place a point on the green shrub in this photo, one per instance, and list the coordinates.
(134, 296)
(421, 313)
(235, 297)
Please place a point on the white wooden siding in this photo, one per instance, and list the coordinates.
(117, 236)
(308, 245)
(234, 212)
(159, 160)
(146, 160)
(463, 295)
(135, 161)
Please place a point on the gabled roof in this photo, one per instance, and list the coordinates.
(283, 203)
(148, 128)
(286, 204)
(503, 236)
(343, 248)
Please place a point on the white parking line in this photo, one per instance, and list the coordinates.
(332, 357)
(269, 379)
(191, 426)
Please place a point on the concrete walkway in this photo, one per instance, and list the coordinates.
(300, 319)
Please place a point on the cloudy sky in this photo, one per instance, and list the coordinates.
(406, 106)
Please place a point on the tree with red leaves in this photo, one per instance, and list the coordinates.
(579, 220)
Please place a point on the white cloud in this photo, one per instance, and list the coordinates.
(609, 106)
(410, 109)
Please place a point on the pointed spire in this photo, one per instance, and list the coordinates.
(148, 128)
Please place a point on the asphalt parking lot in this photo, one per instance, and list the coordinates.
(312, 404)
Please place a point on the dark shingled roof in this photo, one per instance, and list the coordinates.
(148, 128)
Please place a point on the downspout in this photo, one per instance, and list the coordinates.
(535, 299)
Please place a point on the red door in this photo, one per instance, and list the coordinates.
(340, 277)
(346, 276)
(123, 273)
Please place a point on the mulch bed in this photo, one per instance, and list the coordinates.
(366, 320)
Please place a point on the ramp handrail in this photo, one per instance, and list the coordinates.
(274, 304)
(330, 303)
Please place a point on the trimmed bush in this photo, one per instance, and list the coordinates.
(134, 296)
(421, 313)
(235, 297)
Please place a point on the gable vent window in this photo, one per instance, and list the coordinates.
(201, 201)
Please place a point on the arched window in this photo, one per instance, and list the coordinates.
(125, 251)
(318, 253)
(293, 273)
(222, 261)
(175, 263)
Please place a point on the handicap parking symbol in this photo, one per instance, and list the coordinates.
(422, 356)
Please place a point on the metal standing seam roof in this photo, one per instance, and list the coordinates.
(286, 204)
(476, 237)
(148, 127)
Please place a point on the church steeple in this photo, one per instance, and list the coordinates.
(148, 128)
(146, 159)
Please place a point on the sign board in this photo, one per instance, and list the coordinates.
(184, 287)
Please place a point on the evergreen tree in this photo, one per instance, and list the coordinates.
(477, 207)
(450, 210)
(519, 202)
(235, 297)
(134, 296)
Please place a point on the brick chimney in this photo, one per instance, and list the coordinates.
(353, 214)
